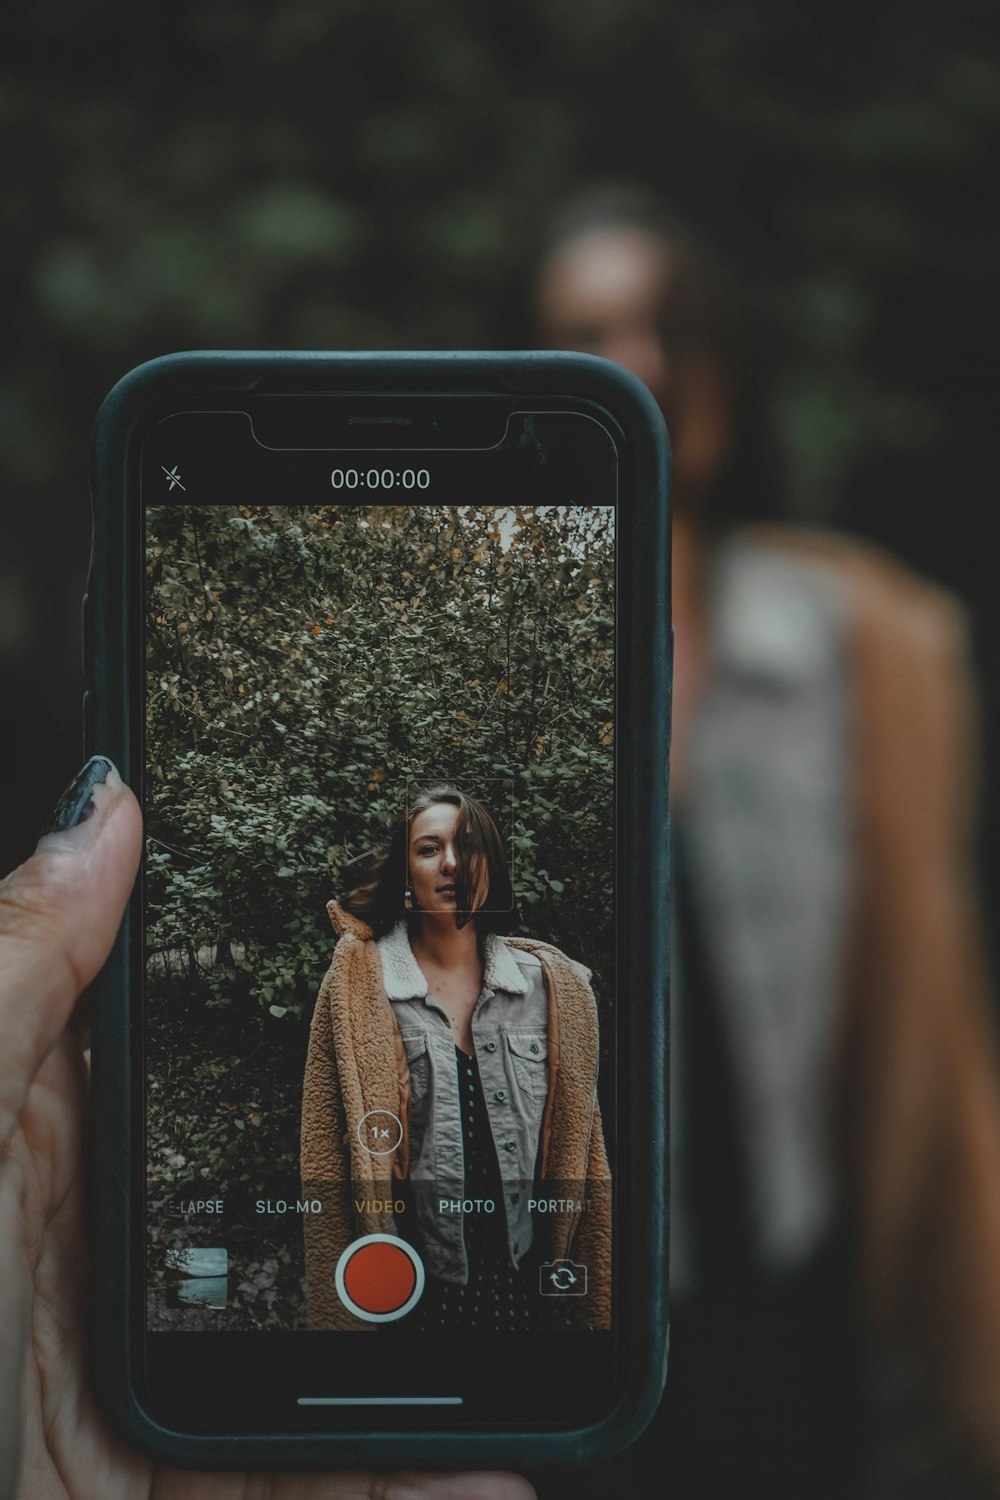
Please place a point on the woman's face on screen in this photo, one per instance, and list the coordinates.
(433, 858)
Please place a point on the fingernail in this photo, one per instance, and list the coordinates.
(75, 817)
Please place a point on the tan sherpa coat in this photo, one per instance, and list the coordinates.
(356, 1063)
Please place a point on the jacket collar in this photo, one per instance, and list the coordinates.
(346, 925)
(405, 980)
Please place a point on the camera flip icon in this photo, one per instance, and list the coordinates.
(562, 1278)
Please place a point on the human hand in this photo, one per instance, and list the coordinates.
(59, 913)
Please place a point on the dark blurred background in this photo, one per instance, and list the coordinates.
(363, 173)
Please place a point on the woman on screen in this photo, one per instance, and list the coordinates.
(450, 1086)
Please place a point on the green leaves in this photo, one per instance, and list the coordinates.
(353, 652)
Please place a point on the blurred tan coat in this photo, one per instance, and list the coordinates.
(916, 1077)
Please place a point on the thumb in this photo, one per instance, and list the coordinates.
(59, 913)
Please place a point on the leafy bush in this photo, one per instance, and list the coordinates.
(304, 666)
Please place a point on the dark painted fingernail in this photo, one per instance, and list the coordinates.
(77, 804)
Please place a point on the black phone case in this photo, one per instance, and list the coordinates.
(113, 663)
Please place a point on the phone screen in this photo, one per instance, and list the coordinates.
(379, 970)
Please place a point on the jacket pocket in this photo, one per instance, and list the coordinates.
(529, 1054)
(419, 1063)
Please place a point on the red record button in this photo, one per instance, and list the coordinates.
(380, 1278)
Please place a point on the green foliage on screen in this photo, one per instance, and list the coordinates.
(303, 668)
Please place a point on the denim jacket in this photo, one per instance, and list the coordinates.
(509, 1032)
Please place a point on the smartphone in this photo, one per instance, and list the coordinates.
(382, 643)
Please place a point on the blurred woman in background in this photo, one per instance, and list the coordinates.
(836, 1139)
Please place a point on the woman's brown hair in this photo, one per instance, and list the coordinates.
(381, 879)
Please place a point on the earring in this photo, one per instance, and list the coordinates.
(408, 902)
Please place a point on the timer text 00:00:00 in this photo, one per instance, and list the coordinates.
(380, 479)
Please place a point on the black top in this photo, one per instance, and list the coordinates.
(495, 1297)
